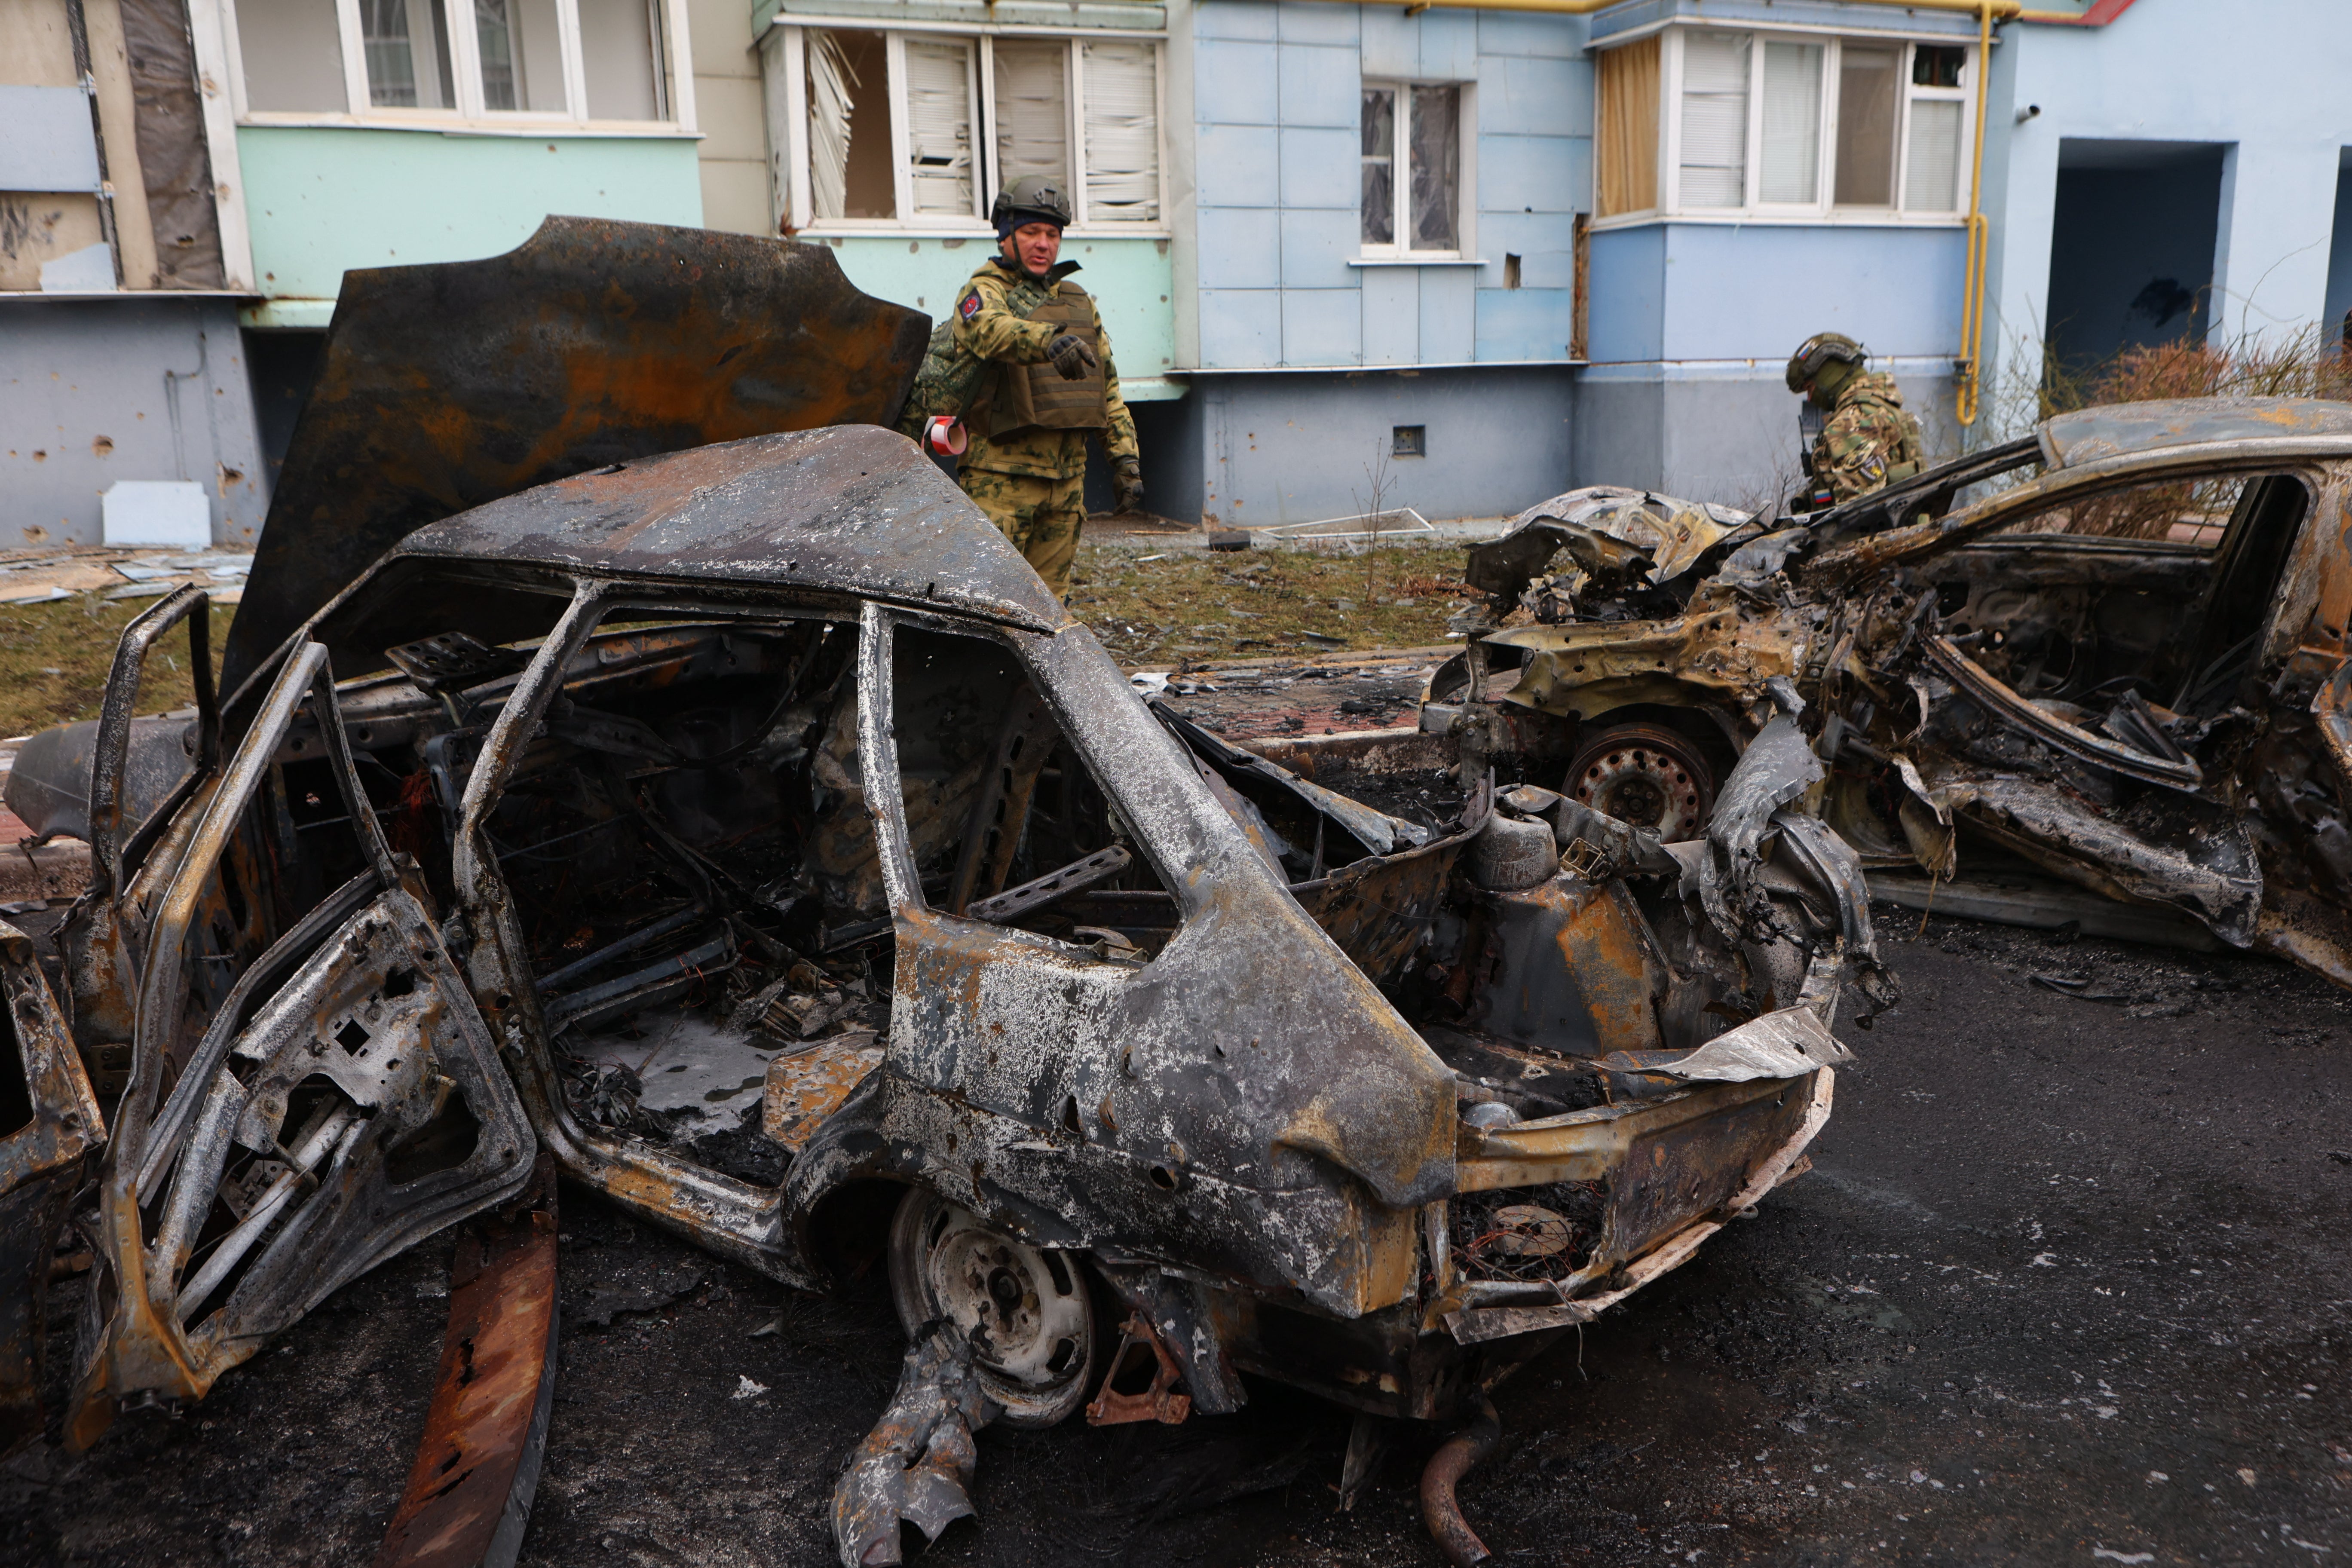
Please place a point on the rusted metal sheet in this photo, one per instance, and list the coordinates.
(595, 342)
(2133, 430)
(470, 1493)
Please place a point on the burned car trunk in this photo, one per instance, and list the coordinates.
(2120, 665)
(750, 829)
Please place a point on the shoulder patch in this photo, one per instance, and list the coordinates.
(969, 306)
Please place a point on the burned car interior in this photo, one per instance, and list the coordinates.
(767, 900)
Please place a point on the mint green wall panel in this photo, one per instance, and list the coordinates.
(1130, 278)
(324, 200)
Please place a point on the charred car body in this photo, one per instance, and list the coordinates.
(1144, 1062)
(2122, 662)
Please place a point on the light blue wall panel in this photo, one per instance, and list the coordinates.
(1449, 321)
(1525, 324)
(1241, 248)
(1757, 292)
(1533, 174)
(1320, 169)
(1315, 246)
(1241, 326)
(1392, 314)
(1238, 167)
(1315, 23)
(1533, 95)
(1392, 42)
(1544, 243)
(1320, 85)
(1234, 20)
(1321, 326)
(1234, 83)
(1521, 33)
(1449, 46)
(1628, 282)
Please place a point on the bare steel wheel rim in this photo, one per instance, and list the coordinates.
(1026, 1308)
(1646, 776)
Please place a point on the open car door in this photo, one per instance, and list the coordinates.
(292, 1117)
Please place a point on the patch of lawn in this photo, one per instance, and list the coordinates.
(1192, 605)
(53, 659)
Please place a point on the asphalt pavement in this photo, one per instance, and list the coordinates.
(2069, 1283)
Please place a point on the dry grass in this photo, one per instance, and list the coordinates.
(1190, 605)
(53, 659)
(2306, 364)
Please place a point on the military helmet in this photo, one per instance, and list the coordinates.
(1032, 198)
(1817, 350)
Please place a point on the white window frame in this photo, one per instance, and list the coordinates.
(788, 130)
(1466, 181)
(1823, 209)
(465, 71)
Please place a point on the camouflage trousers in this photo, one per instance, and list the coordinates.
(1041, 517)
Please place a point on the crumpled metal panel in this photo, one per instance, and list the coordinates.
(595, 342)
(854, 510)
(1673, 534)
(2114, 430)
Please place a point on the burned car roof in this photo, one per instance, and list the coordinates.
(854, 509)
(2121, 429)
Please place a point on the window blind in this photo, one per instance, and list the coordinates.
(829, 84)
(1033, 109)
(1933, 181)
(1714, 119)
(1122, 132)
(939, 124)
(1791, 161)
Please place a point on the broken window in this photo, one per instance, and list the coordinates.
(924, 128)
(1004, 821)
(1759, 118)
(574, 60)
(1412, 168)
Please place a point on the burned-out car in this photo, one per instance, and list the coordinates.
(747, 834)
(1120, 1046)
(2114, 650)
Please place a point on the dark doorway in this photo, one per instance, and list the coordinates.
(2336, 321)
(2131, 248)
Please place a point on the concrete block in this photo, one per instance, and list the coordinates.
(1316, 246)
(1320, 86)
(1234, 83)
(1241, 327)
(1320, 326)
(173, 512)
(1252, 19)
(1320, 169)
(1240, 247)
(1238, 167)
(1392, 298)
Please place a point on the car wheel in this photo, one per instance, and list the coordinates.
(1645, 775)
(1028, 1310)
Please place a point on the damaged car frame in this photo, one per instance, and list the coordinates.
(1141, 1062)
(2120, 661)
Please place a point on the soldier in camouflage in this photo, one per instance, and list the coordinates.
(1026, 364)
(1866, 440)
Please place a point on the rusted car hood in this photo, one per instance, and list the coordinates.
(595, 342)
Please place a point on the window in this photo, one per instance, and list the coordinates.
(533, 60)
(922, 128)
(1412, 168)
(1752, 123)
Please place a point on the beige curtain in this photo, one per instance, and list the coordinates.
(1626, 127)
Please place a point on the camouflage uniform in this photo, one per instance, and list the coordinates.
(1867, 440)
(1030, 478)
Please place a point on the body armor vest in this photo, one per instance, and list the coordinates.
(1027, 395)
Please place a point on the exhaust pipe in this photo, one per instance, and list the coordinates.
(1452, 1460)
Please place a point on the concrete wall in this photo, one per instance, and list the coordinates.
(730, 111)
(1277, 449)
(323, 200)
(135, 388)
(2265, 80)
(1275, 92)
(1128, 279)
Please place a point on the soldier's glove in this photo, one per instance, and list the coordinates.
(1127, 485)
(1071, 356)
